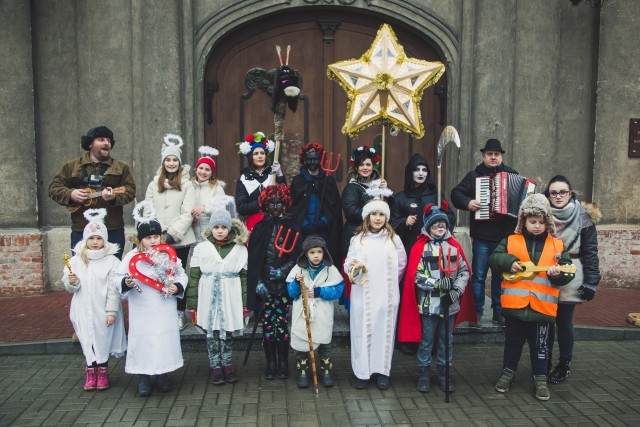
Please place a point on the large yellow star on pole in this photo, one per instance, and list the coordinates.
(385, 85)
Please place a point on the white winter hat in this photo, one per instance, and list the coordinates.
(536, 205)
(96, 226)
(171, 147)
(376, 205)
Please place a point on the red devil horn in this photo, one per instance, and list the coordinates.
(445, 206)
(427, 209)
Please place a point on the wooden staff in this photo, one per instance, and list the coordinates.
(312, 356)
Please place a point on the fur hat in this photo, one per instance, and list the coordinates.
(146, 223)
(93, 133)
(253, 141)
(171, 147)
(433, 214)
(314, 241)
(376, 205)
(96, 226)
(220, 217)
(207, 154)
(535, 205)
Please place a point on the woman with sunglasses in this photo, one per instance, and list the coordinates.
(575, 226)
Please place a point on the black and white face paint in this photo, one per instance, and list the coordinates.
(420, 174)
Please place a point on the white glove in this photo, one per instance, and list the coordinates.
(276, 168)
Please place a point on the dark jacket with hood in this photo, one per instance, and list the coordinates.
(494, 229)
(421, 196)
(329, 223)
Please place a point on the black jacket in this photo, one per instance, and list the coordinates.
(494, 229)
(302, 186)
(263, 254)
(421, 196)
(247, 204)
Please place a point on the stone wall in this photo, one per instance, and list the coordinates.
(21, 263)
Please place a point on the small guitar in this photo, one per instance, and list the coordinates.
(93, 195)
(530, 269)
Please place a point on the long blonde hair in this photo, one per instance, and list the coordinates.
(365, 228)
(213, 181)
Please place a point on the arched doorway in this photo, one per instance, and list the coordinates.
(316, 39)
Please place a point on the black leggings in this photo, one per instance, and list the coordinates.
(536, 334)
(183, 254)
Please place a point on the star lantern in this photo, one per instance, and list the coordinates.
(385, 85)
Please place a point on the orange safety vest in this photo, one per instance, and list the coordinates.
(536, 292)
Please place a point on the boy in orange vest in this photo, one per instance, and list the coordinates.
(533, 261)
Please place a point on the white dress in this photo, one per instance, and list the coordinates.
(320, 311)
(94, 298)
(154, 337)
(219, 288)
(374, 303)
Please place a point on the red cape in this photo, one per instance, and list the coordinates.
(409, 324)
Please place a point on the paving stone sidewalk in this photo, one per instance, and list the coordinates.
(603, 389)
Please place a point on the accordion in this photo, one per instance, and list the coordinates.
(502, 194)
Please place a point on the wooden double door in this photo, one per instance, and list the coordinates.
(236, 104)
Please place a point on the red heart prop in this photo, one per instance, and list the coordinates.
(133, 265)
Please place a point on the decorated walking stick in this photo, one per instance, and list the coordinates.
(446, 269)
(282, 249)
(312, 356)
(326, 167)
(449, 134)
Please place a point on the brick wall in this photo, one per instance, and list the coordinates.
(21, 264)
(619, 253)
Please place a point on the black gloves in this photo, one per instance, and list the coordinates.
(585, 293)
(445, 284)
(449, 297)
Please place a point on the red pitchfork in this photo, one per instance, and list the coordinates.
(282, 249)
(326, 166)
(447, 270)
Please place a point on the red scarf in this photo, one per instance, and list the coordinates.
(409, 324)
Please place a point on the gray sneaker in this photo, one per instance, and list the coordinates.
(505, 380)
(541, 388)
(182, 320)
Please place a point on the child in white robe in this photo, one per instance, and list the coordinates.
(96, 311)
(154, 336)
(375, 263)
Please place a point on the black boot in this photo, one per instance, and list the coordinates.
(283, 359)
(302, 366)
(325, 372)
(560, 373)
(144, 385)
(424, 379)
(270, 353)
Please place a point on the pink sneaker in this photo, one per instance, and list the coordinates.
(103, 378)
(92, 379)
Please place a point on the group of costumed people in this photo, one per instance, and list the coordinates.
(393, 262)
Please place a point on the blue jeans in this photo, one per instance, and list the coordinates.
(429, 326)
(482, 250)
(114, 236)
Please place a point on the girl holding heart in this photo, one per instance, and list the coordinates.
(158, 279)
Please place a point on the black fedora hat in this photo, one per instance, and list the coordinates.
(492, 145)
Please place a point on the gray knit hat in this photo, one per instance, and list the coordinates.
(536, 205)
(314, 241)
(220, 217)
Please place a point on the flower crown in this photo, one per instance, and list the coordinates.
(369, 152)
(318, 148)
(253, 141)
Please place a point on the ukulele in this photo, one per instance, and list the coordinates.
(530, 269)
(92, 196)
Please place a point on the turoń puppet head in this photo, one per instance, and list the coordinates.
(286, 85)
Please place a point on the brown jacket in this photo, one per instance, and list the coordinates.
(70, 177)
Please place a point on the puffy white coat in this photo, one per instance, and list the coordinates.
(173, 207)
(203, 193)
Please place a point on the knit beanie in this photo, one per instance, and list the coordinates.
(207, 154)
(146, 223)
(171, 147)
(93, 133)
(220, 217)
(376, 205)
(536, 205)
(96, 226)
(314, 241)
(433, 214)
